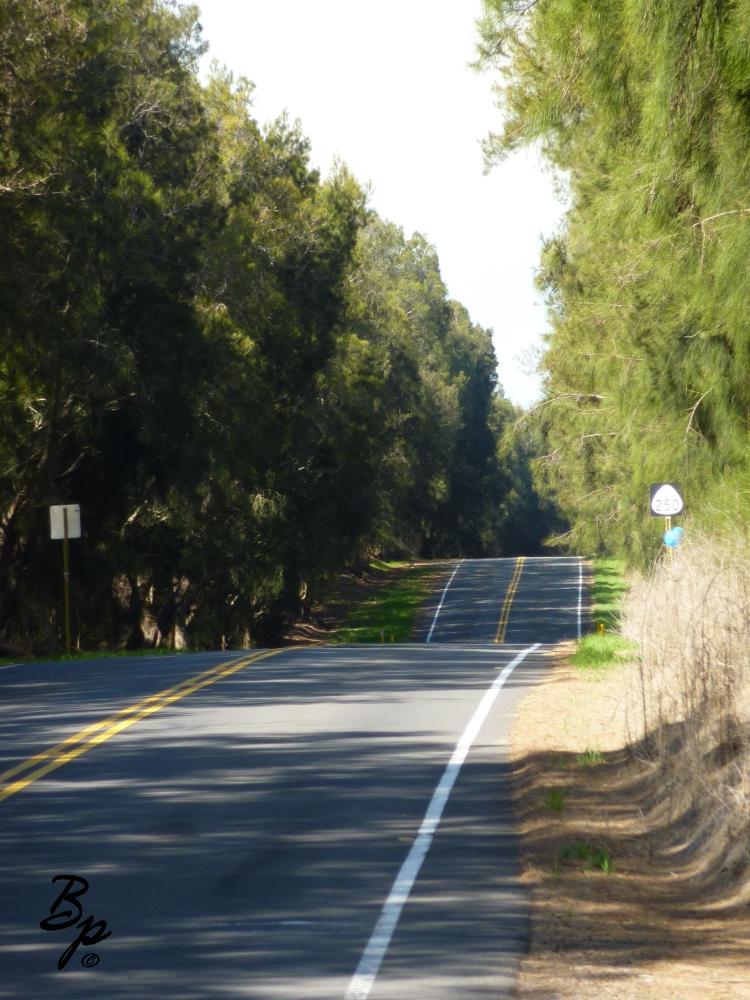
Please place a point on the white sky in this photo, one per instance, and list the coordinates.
(386, 87)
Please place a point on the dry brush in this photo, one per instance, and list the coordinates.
(688, 710)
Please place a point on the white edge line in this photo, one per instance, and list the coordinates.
(434, 620)
(374, 953)
(580, 593)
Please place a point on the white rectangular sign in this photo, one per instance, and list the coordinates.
(57, 521)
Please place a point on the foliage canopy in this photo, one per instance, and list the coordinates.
(244, 376)
(644, 108)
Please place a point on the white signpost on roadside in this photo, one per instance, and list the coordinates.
(667, 501)
(65, 523)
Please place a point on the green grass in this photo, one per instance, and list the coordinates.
(385, 565)
(608, 590)
(93, 655)
(589, 758)
(596, 652)
(388, 616)
(554, 800)
(592, 856)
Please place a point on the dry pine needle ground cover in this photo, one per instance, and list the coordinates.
(625, 903)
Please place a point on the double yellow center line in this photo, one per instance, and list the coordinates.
(502, 625)
(99, 732)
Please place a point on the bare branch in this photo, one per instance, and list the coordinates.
(593, 493)
(694, 410)
(616, 357)
(721, 215)
(13, 184)
(580, 397)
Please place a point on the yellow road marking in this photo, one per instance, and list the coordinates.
(107, 728)
(104, 723)
(502, 625)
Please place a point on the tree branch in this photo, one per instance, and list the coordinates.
(694, 410)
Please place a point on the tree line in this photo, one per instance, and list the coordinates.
(644, 110)
(245, 377)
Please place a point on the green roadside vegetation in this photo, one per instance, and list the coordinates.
(588, 856)
(101, 654)
(599, 651)
(388, 615)
(608, 592)
(641, 110)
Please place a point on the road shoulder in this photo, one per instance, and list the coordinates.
(617, 909)
(383, 602)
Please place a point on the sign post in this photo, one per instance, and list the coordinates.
(667, 501)
(66, 579)
(65, 523)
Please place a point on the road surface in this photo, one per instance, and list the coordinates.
(322, 823)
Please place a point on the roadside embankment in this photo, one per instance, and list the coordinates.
(379, 604)
(632, 788)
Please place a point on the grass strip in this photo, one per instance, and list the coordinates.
(596, 652)
(388, 615)
(101, 654)
(608, 592)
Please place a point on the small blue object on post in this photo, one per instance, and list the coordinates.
(673, 537)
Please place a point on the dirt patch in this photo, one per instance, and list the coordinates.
(347, 591)
(625, 902)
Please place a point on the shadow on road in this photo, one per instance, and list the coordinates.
(229, 859)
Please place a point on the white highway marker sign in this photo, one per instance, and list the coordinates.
(666, 500)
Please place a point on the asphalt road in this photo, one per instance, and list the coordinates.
(310, 823)
(548, 605)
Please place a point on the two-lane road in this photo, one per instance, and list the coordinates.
(547, 602)
(314, 823)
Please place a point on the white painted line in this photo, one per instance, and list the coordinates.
(434, 620)
(373, 955)
(580, 593)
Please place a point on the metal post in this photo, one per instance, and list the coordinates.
(669, 548)
(66, 582)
